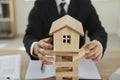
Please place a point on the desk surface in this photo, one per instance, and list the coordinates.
(107, 65)
(25, 60)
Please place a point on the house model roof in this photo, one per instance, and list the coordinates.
(67, 21)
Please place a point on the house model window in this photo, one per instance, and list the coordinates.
(66, 39)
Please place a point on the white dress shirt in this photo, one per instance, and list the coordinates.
(66, 5)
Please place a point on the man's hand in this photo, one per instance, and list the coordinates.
(40, 49)
(93, 50)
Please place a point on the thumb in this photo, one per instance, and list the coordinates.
(85, 45)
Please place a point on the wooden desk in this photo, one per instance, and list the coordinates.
(107, 65)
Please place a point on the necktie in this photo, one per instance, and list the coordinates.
(62, 10)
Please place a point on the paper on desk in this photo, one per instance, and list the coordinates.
(10, 67)
(34, 70)
(87, 70)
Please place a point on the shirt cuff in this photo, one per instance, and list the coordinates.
(31, 49)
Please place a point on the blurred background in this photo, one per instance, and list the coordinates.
(108, 11)
(13, 21)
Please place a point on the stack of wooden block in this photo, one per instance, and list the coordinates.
(66, 33)
(67, 65)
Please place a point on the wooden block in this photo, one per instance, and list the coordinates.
(59, 69)
(75, 78)
(58, 58)
(67, 58)
(59, 78)
(66, 74)
(64, 69)
(66, 78)
(75, 69)
(75, 58)
(63, 58)
(66, 53)
(67, 64)
(81, 54)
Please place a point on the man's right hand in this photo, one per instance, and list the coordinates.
(40, 49)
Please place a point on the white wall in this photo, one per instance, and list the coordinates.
(22, 9)
(119, 27)
(108, 11)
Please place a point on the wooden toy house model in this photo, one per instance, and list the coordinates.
(66, 33)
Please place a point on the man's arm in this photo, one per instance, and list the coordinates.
(94, 27)
(31, 34)
(96, 48)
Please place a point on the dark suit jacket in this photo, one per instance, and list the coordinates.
(45, 12)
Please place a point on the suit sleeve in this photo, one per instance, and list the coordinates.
(33, 27)
(94, 27)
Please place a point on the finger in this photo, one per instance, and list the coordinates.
(48, 40)
(50, 58)
(88, 47)
(96, 51)
(44, 52)
(42, 58)
(46, 60)
(91, 53)
(45, 45)
(98, 57)
(48, 63)
(36, 49)
(91, 45)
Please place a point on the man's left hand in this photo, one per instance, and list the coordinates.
(93, 50)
